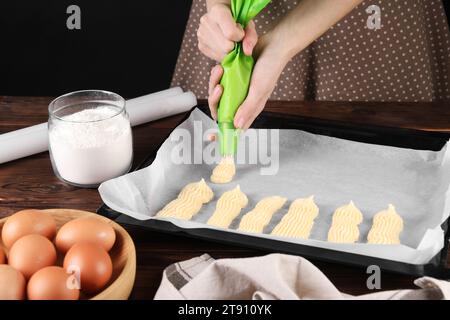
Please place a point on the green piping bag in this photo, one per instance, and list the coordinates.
(237, 70)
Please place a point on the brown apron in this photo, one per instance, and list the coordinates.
(406, 59)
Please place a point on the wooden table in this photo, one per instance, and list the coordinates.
(30, 182)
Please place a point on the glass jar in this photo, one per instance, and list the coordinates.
(90, 139)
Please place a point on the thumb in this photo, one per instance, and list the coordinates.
(250, 38)
(246, 113)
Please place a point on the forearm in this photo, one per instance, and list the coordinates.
(307, 22)
(211, 3)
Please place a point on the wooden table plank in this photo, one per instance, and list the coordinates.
(427, 116)
(30, 182)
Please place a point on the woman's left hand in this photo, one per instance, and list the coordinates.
(267, 69)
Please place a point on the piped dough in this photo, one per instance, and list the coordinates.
(299, 220)
(386, 228)
(228, 208)
(256, 219)
(345, 224)
(189, 201)
(224, 171)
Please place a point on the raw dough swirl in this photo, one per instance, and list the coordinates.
(299, 219)
(189, 201)
(386, 228)
(256, 219)
(228, 208)
(344, 227)
(224, 171)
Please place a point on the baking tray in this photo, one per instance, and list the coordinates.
(397, 137)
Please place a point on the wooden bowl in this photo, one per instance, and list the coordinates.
(123, 255)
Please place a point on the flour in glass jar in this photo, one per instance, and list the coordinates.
(92, 145)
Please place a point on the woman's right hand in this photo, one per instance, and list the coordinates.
(218, 32)
(271, 59)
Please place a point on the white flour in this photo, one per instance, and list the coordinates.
(91, 146)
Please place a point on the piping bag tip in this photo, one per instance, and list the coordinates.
(228, 139)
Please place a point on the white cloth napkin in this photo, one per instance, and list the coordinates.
(274, 276)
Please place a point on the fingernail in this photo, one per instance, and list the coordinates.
(216, 90)
(250, 51)
(212, 137)
(239, 123)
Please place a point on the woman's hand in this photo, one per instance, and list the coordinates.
(218, 32)
(266, 72)
(301, 26)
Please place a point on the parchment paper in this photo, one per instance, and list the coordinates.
(334, 170)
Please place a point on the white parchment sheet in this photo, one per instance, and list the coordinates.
(334, 170)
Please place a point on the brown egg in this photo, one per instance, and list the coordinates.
(52, 283)
(2, 256)
(12, 283)
(92, 263)
(85, 229)
(27, 222)
(31, 253)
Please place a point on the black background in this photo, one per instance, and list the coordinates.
(126, 46)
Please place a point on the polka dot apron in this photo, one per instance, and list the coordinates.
(406, 59)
